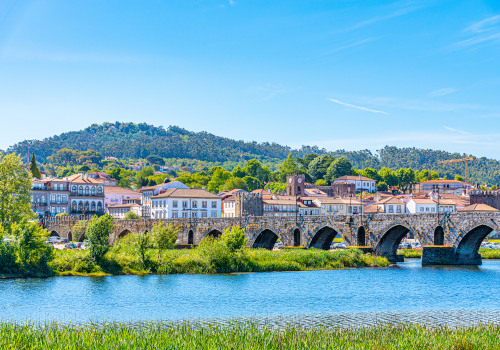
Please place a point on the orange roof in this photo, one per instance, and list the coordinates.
(478, 207)
(390, 200)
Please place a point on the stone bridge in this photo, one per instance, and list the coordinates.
(447, 238)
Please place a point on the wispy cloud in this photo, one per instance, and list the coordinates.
(404, 10)
(442, 92)
(484, 25)
(457, 130)
(232, 3)
(356, 107)
(484, 31)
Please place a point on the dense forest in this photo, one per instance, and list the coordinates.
(129, 141)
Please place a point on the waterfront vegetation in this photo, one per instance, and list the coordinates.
(417, 253)
(243, 335)
(211, 256)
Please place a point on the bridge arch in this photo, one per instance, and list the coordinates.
(214, 233)
(467, 249)
(438, 236)
(266, 239)
(123, 233)
(323, 238)
(388, 243)
(361, 237)
(54, 233)
(296, 238)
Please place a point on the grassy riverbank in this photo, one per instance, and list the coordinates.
(417, 253)
(123, 259)
(243, 335)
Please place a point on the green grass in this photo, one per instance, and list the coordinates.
(243, 335)
(122, 259)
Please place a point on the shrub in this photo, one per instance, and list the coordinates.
(131, 216)
(234, 238)
(97, 234)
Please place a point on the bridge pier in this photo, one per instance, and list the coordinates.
(448, 255)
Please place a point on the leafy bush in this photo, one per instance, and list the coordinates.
(131, 216)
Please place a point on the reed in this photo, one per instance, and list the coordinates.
(242, 335)
(210, 258)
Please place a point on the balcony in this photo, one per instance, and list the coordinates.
(80, 194)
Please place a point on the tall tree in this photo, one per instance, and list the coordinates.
(339, 167)
(35, 172)
(318, 166)
(15, 190)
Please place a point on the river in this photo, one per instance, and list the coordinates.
(405, 289)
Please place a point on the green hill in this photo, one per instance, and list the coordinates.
(137, 141)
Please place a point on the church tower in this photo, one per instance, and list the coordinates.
(295, 185)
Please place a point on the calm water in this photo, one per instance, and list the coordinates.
(405, 290)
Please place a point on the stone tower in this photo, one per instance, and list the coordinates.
(295, 185)
(248, 204)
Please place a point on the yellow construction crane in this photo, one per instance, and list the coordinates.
(465, 160)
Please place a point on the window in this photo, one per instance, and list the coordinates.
(391, 209)
(214, 214)
(426, 208)
(204, 214)
(341, 207)
(194, 204)
(433, 210)
(204, 204)
(174, 204)
(86, 191)
(99, 189)
(214, 204)
(53, 198)
(421, 208)
(184, 214)
(194, 214)
(184, 204)
(175, 214)
(73, 188)
(335, 208)
(80, 191)
(93, 191)
(323, 206)
(398, 209)
(329, 208)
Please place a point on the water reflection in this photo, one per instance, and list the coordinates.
(315, 296)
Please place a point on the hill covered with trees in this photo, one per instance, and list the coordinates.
(130, 141)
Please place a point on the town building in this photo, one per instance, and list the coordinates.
(185, 203)
(104, 178)
(115, 195)
(50, 196)
(388, 205)
(150, 191)
(118, 211)
(421, 205)
(362, 183)
(86, 194)
(443, 186)
(478, 208)
(336, 205)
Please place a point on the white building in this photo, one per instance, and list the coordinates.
(229, 207)
(421, 205)
(362, 183)
(185, 203)
(118, 211)
(390, 205)
(150, 191)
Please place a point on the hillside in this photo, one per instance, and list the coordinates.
(137, 141)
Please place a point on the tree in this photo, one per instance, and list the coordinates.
(321, 182)
(219, 178)
(163, 237)
(32, 253)
(371, 173)
(233, 238)
(276, 187)
(141, 244)
(289, 166)
(339, 167)
(388, 176)
(98, 231)
(238, 172)
(459, 178)
(304, 162)
(382, 186)
(154, 159)
(35, 172)
(15, 190)
(251, 183)
(405, 176)
(318, 167)
(233, 183)
(131, 216)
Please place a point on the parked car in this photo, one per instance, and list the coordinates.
(404, 245)
(279, 245)
(70, 246)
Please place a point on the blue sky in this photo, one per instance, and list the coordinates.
(338, 74)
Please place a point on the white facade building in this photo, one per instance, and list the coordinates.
(421, 205)
(362, 183)
(185, 203)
